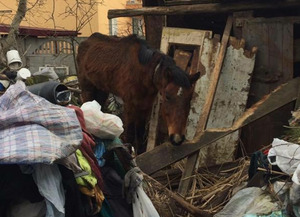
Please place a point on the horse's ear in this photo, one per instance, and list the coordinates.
(145, 54)
(194, 77)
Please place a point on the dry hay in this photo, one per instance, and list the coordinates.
(214, 187)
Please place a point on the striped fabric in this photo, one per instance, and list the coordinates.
(33, 130)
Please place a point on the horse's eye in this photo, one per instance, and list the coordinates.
(168, 98)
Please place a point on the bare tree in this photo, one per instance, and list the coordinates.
(82, 11)
(10, 40)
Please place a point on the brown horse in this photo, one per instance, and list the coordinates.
(127, 67)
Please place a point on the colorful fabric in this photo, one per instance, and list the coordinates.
(86, 180)
(96, 197)
(87, 146)
(33, 130)
(99, 151)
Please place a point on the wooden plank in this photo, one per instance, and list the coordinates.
(202, 8)
(229, 102)
(182, 36)
(166, 154)
(207, 61)
(154, 26)
(191, 161)
(152, 132)
(215, 77)
(182, 58)
(175, 36)
(297, 50)
(287, 48)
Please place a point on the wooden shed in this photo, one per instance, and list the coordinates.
(268, 31)
(273, 28)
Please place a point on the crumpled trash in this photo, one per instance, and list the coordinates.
(132, 180)
(250, 200)
(285, 155)
(273, 214)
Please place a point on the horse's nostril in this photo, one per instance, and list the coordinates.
(177, 139)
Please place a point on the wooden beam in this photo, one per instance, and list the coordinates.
(202, 8)
(192, 159)
(166, 154)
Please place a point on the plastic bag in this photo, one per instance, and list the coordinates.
(142, 205)
(102, 125)
(250, 200)
(285, 155)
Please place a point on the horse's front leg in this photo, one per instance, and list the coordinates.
(128, 136)
(140, 135)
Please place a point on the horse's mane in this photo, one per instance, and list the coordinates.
(146, 55)
(179, 77)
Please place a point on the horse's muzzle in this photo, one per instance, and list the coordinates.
(177, 139)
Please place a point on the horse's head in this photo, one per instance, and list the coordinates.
(176, 89)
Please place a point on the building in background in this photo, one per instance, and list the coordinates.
(86, 17)
(50, 32)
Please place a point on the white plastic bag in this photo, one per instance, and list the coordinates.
(142, 205)
(285, 155)
(102, 125)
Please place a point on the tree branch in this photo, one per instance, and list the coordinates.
(13, 32)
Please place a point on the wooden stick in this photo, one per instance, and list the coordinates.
(273, 172)
(74, 89)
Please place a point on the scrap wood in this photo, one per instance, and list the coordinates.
(217, 186)
(215, 195)
(166, 154)
(181, 201)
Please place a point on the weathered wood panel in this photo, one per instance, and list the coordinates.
(182, 36)
(192, 160)
(229, 104)
(208, 57)
(297, 50)
(274, 66)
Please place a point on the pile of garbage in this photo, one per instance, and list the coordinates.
(59, 159)
(267, 184)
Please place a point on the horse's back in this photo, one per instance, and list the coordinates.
(109, 63)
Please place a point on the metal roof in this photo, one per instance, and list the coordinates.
(34, 31)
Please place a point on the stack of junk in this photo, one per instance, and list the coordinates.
(58, 159)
